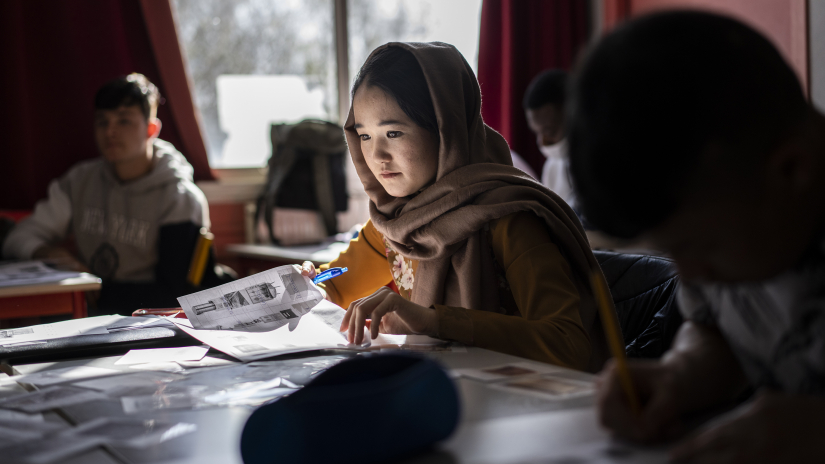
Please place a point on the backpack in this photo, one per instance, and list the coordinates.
(306, 171)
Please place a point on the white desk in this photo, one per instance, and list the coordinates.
(496, 426)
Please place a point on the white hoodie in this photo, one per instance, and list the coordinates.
(555, 174)
(115, 224)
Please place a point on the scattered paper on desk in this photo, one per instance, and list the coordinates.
(508, 371)
(56, 449)
(14, 416)
(66, 374)
(132, 383)
(50, 398)
(548, 387)
(37, 428)
(261, 302)
(71, 328)
(32, 272)
(304, 334)
(137, 323)
(153, 355)
(163, 366)
(207, 361)
(132, 433)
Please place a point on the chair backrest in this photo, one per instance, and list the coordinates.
(644, 293)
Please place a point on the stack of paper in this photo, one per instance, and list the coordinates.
(31, 272)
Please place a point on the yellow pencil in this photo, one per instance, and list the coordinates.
(614, 339)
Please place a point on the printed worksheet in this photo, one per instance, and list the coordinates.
(258, 303)
(32, 272)
(71, 328)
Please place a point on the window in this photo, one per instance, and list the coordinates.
(258, 62)
(254, 63)
(376, 22)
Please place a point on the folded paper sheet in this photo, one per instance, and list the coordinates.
(258, 303)
(307, 333)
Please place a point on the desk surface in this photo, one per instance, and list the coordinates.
(318, 254)
(496, 426)
(86, 282)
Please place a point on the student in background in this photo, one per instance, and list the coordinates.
(544, 109)
(690, 130)
(478, 252)
(134, 213)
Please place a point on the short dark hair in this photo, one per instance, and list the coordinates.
(134, 89)
(396, 71)
(654, 96)
(548, 88)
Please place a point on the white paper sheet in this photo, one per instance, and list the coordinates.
(547, 387)
(50, 398)
(65, 374)
(507, 371)
(132, 433)
(56, 449)
(31, 272)
(137, 323)
(127, 383)
(153, 355)
(306, 333)
(262, 302)
(70, 328)
(207, 361)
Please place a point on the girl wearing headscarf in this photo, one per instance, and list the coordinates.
(460, 245)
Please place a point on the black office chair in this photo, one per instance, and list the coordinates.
(644, 293)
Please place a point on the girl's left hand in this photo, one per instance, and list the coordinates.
(390, 313)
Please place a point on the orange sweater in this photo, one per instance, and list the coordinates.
(548, 327)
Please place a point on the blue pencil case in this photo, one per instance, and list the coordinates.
(411, 397)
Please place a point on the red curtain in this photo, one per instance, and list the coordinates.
(519, 39)
(615, 11)
(55, 55)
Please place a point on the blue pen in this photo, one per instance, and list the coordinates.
(328, 274)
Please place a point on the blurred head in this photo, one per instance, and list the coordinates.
(395, 121)
(689, 130)
(125, 118)
(544, 106)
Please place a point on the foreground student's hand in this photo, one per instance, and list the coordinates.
(773, 428)
(390, 313)
(660, 395)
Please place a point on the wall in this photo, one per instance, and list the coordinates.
(783, 21)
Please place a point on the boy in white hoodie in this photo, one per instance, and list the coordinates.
(134, 212)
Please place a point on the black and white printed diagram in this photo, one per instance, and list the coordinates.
(254, 294)
(11, 333)
(293, 283)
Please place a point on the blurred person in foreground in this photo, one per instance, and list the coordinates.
(690, 130)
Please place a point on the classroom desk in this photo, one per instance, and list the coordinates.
(257, 258)
(63, 297)
(495, 426)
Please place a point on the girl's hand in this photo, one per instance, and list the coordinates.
(390, 313)
(308, 270)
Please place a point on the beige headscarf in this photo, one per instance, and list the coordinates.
(441, 226)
